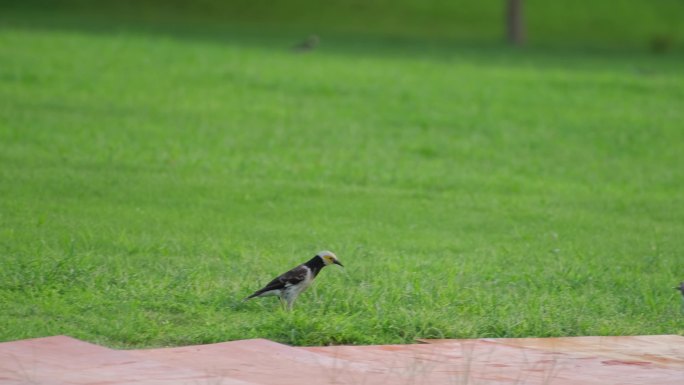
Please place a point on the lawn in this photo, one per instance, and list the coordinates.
(150, 180)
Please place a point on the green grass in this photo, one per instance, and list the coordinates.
(149, 182)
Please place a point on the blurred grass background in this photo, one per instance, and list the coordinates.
(160, 161)
(614, 25)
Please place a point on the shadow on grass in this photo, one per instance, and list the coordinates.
(169, 22)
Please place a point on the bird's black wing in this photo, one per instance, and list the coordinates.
(292, 277)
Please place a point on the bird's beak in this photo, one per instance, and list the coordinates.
(338, 263)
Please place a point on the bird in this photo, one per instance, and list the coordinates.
(290, 284)
(680, 287)
(308, 44)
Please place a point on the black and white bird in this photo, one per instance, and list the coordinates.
(289, 285)
(308, 44)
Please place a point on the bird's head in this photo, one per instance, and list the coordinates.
(328, 258)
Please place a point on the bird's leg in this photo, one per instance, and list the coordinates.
(290, 302)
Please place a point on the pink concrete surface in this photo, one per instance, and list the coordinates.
(264, 362)
(640, 360)
(662, 351)
(65, 360)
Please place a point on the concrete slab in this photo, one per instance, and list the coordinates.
(266, 362)
(595, 360)
(65, 360)
(664, 351)
(641, 360)
(463, 362)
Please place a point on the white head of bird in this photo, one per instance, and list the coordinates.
(328, 258)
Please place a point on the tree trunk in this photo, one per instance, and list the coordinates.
(515, 25)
